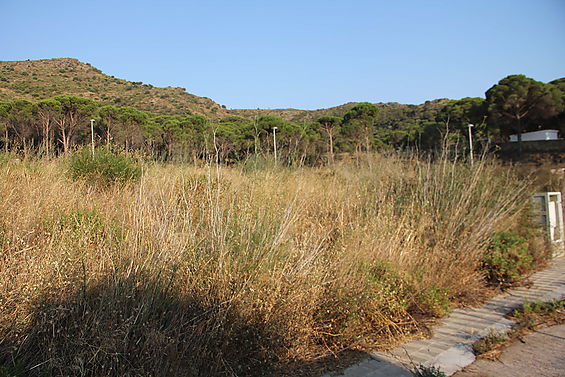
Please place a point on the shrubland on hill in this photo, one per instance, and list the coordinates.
(40, 79)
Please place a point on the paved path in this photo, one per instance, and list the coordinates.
(450, 347)
(531, 357)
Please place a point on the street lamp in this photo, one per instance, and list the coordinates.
(275, 142)
(470, 142)
(92, 135)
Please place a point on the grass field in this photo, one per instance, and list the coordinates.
(225, 271)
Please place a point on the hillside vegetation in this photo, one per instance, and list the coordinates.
(49, 105)
(390, 110)
(42, 79)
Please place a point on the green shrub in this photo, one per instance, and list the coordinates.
(507, 258)
(104, 166)
(435, 301)
(386, 282)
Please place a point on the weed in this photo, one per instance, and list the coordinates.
(489, 342)
(532, 314)
(424, 371)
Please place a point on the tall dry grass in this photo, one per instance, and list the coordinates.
(218, 271)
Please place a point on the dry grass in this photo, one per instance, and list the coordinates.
(216, 271)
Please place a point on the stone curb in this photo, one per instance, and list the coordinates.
(450, 347)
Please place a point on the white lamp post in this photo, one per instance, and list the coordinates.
(470, 142)
(275, 142)
(92, 135)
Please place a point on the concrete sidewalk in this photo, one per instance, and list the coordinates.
(541, 353)
(450, 347)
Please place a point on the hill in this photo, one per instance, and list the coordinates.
(40, 79)
(294, 115)
(388, 111)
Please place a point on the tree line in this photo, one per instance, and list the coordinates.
(516, 104)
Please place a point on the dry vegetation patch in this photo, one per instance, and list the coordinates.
(219, 271)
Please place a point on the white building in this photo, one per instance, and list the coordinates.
(537, 136)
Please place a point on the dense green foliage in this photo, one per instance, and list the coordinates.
(54, 125)
(518, 103)
(103, 166)
(506, 258)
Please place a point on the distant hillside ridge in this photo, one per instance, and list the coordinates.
(40, 79)
(387, 109)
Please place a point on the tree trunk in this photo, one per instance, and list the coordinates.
(357, 152)
(47, 142)
(46, 134)
(169, 151)
(64, 140)
(367, 146)
(330, 134)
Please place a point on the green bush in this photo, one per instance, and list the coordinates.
(507, 258)
(104, 166)
(435, 301)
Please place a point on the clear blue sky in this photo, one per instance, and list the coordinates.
(301, 54)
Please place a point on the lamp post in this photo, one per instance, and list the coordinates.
(470, 142)
(92, 135)
(275, 142)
